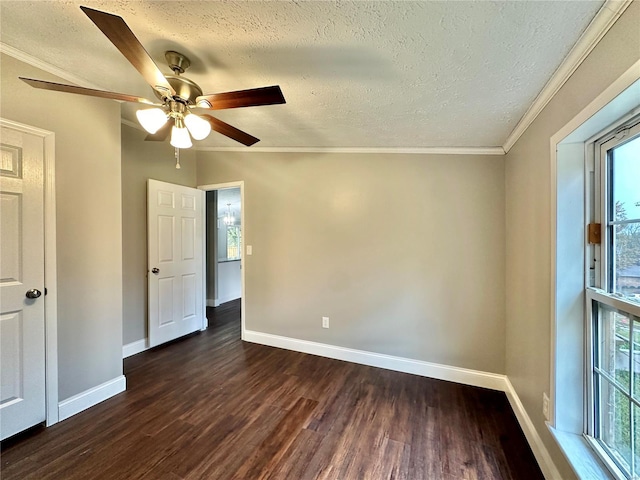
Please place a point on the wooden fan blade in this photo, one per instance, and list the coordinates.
(116, 30)
(162, 134)
(242, 98)
(60, 87)
(230, 131)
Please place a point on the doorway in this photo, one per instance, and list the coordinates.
(224, 247)
(28, 324)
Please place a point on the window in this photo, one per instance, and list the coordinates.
(229, 242)
(623, 216)
(234, 238)
(614, 304)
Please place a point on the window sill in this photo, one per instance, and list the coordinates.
(582, 458)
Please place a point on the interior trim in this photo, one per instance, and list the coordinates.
(50, 265)
(87, 399)
(365, 150)
(134, 348)
(599, 26)
(46, 67)
(549, 469)
(360, 150)
(243, 291)
(465, 376)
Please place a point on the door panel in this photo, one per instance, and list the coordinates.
(175, 222)
(11, 325)
(22, 347)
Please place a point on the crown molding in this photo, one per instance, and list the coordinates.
(599, 26)
(383, 150)
(47, 67)
(386, 150)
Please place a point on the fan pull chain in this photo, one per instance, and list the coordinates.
(177, 155)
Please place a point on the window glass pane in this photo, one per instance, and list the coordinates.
(613, 345)
(625, 275)
(233, 242)
(635, 364)
(636, 440)
(615, 423)
(625, 207)
(626, 177)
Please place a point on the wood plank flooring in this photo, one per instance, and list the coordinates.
(212, 407)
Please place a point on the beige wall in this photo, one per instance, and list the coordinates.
(140, 161)
(528, 220)
(87, 157)
(404, 253)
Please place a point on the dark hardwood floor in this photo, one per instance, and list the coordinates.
(212, 407)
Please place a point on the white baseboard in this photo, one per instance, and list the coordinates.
(425, 369)
(91, 397)
(222, 300)
(135, 347)
(549, 470)
(417, 367)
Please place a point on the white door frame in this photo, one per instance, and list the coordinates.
(221, 186)
(50, 276)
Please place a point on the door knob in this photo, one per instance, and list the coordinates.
(33, 293)
(155, 270)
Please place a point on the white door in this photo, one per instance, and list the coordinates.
(176, 262)
(22, 336)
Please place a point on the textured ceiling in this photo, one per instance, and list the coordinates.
(354, 74)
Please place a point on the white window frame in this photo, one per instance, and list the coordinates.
(629, 130)
(631, 309)
(568, 254)
(598, 259)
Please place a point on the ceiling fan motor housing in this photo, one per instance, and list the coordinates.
(178, 94)
(186, 90)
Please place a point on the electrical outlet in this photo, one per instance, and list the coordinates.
(325, 322)
(545, 406)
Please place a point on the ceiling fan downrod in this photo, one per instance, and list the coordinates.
(177, 61)
(178, 94)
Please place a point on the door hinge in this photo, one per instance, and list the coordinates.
(594, 233)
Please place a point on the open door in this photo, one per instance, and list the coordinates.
(176, 263)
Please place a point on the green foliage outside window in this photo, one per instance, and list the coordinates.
(234, 241)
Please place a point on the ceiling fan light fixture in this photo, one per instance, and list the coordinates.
(229, 219)
(152, 119)
(180, 137)
(177, 93)
(198, 126)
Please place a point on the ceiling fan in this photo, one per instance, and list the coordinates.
(178, 95)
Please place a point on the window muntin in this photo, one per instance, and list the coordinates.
(623, 219)
(613, 420)
(616, 365)
(616, 381)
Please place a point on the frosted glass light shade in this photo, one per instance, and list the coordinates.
(198, 126)
(152, 119)
(180, 138)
